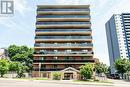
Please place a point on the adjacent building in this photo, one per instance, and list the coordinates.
(118, 37)
(63, 40)
(3, 53)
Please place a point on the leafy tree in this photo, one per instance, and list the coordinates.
(18, 67)
(13, 66)
(13, 50)
(21, 69)
(21, 54)
(86, 71)
(101, 68)
(121, 66)
(19, 57)
(4, 67)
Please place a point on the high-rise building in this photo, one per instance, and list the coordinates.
(118, 38)
(63, 40)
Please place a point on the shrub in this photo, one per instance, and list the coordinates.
(56, 75)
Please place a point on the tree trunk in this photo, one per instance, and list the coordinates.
(2, 75)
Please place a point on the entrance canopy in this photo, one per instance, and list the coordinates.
(70, 69)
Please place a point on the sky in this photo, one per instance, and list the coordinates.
(19, 29)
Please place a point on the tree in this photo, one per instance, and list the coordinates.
(121, 66)
(101, 68)
(18, 67)
(4, 67)
(13, 50)
(21, 54)
(13, 66)
(21, 69)
(86, 71)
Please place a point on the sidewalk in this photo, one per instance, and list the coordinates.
(77, 83)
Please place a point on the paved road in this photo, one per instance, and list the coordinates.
(30, 83)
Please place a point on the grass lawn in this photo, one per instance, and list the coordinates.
(90, 80)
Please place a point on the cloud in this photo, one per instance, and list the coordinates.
(21, 6)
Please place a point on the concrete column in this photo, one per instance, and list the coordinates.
(62, 75)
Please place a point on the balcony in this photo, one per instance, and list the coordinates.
(63, 9)
(44, 69)
(63, 37)
(63, 32)
(63, 24)
(58, 45)
(127, 26)
(44, 11)
(65, 46)
(67, 60)
(63, 53)
(62, 40)
(63, 19)
(62, 12)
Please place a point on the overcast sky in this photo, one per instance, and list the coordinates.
(19, 29)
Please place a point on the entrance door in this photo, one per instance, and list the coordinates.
(68, 76)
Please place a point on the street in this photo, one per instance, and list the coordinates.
(44, 83)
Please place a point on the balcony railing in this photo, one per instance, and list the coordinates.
(63, 9)
(50, 69)
(44, 69)
(62, 52)
(63, 23)
(64, 60)
(63, 37)
(63, 16)
(63, 30)
(60, 45)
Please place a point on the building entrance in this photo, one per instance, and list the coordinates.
(68, 76)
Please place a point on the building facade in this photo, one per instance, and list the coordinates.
(3, 53)
(63, 40)
(118, 38)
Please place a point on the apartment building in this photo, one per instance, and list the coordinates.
(118, 38)
(63, 40)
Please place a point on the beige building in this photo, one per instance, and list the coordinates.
(63, 40)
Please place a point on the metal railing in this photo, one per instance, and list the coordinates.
(63, 30)
(63, 37)
(64, 60)
(62, 52)
(60, 45)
